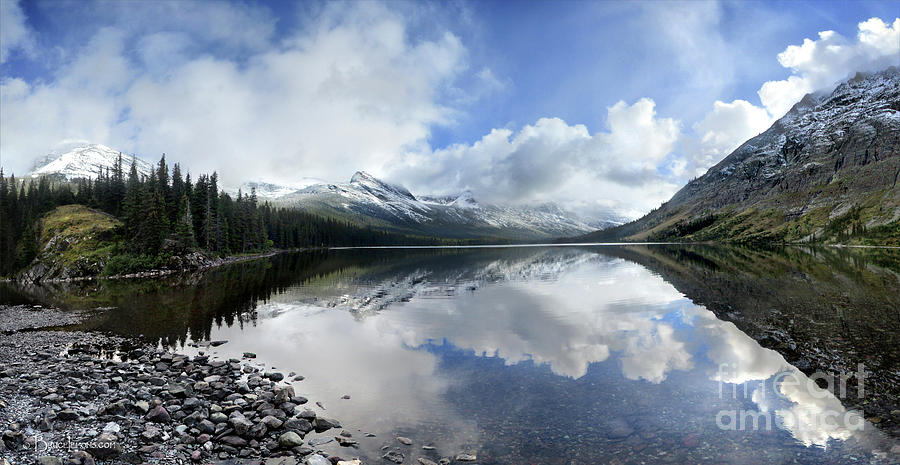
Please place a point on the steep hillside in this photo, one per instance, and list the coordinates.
(74, 241)
(826, 172)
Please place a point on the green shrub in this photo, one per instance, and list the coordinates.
(126, 263)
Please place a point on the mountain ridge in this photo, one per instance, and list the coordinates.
(377, 203)
(366, 200)
(827, 171)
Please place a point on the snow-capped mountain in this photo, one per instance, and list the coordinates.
(271, 191)
(81, 160)
(372, 201)
(365, 199)
(829, 166)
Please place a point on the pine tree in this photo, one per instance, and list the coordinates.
(184, 226)
(177, 192)
(132, 210)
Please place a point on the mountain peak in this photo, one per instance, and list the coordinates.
(376, 185)
(364, 177)
(465, 200)
(71, 160)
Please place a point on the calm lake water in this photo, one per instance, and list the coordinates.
(550, 355)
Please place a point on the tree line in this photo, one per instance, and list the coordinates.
(169, 213)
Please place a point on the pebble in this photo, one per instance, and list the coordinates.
(156, 407)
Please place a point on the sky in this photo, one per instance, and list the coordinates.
(606, 108)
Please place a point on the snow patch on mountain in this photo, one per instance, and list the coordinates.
(368, 197)
(267, 190)
(80, 160)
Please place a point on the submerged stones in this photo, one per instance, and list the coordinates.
(618, 428)
(394, 456)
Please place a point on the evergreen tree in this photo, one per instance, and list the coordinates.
(184, 226)
(132, 208)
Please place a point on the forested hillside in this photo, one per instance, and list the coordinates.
(166, 214)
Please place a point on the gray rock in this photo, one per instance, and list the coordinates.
(316, 459)
(241, 425)
(258, 430)
(206, 426)
(142, 406)
(115, 408)
(298, 424)
(394, 456)
(191, 403)
(49, 460)
(272, 422)
(404, 441)
(180, 390)
(289, 440)
(67, 415)
(305, 413)
(283, 394)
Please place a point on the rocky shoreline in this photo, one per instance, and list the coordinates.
(81, 398)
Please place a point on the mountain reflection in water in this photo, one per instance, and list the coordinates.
(554, 354)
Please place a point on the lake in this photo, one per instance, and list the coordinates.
(552, 355)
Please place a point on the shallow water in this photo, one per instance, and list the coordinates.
(555, 355)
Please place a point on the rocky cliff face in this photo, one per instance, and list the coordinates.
(828, 170)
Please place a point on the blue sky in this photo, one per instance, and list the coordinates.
(602, 106)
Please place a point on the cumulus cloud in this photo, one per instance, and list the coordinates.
(223, 86)
(818, 64)
(619, 169)
(721, 131)
(815, 65)
(354, 88)
(14, 31)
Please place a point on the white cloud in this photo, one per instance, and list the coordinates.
(815, 65)
(14, 32)
(721, 131)
(348, 93)
(552, 160)
(819, 64)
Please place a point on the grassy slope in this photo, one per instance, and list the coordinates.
(78, 238)
(833, 216)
